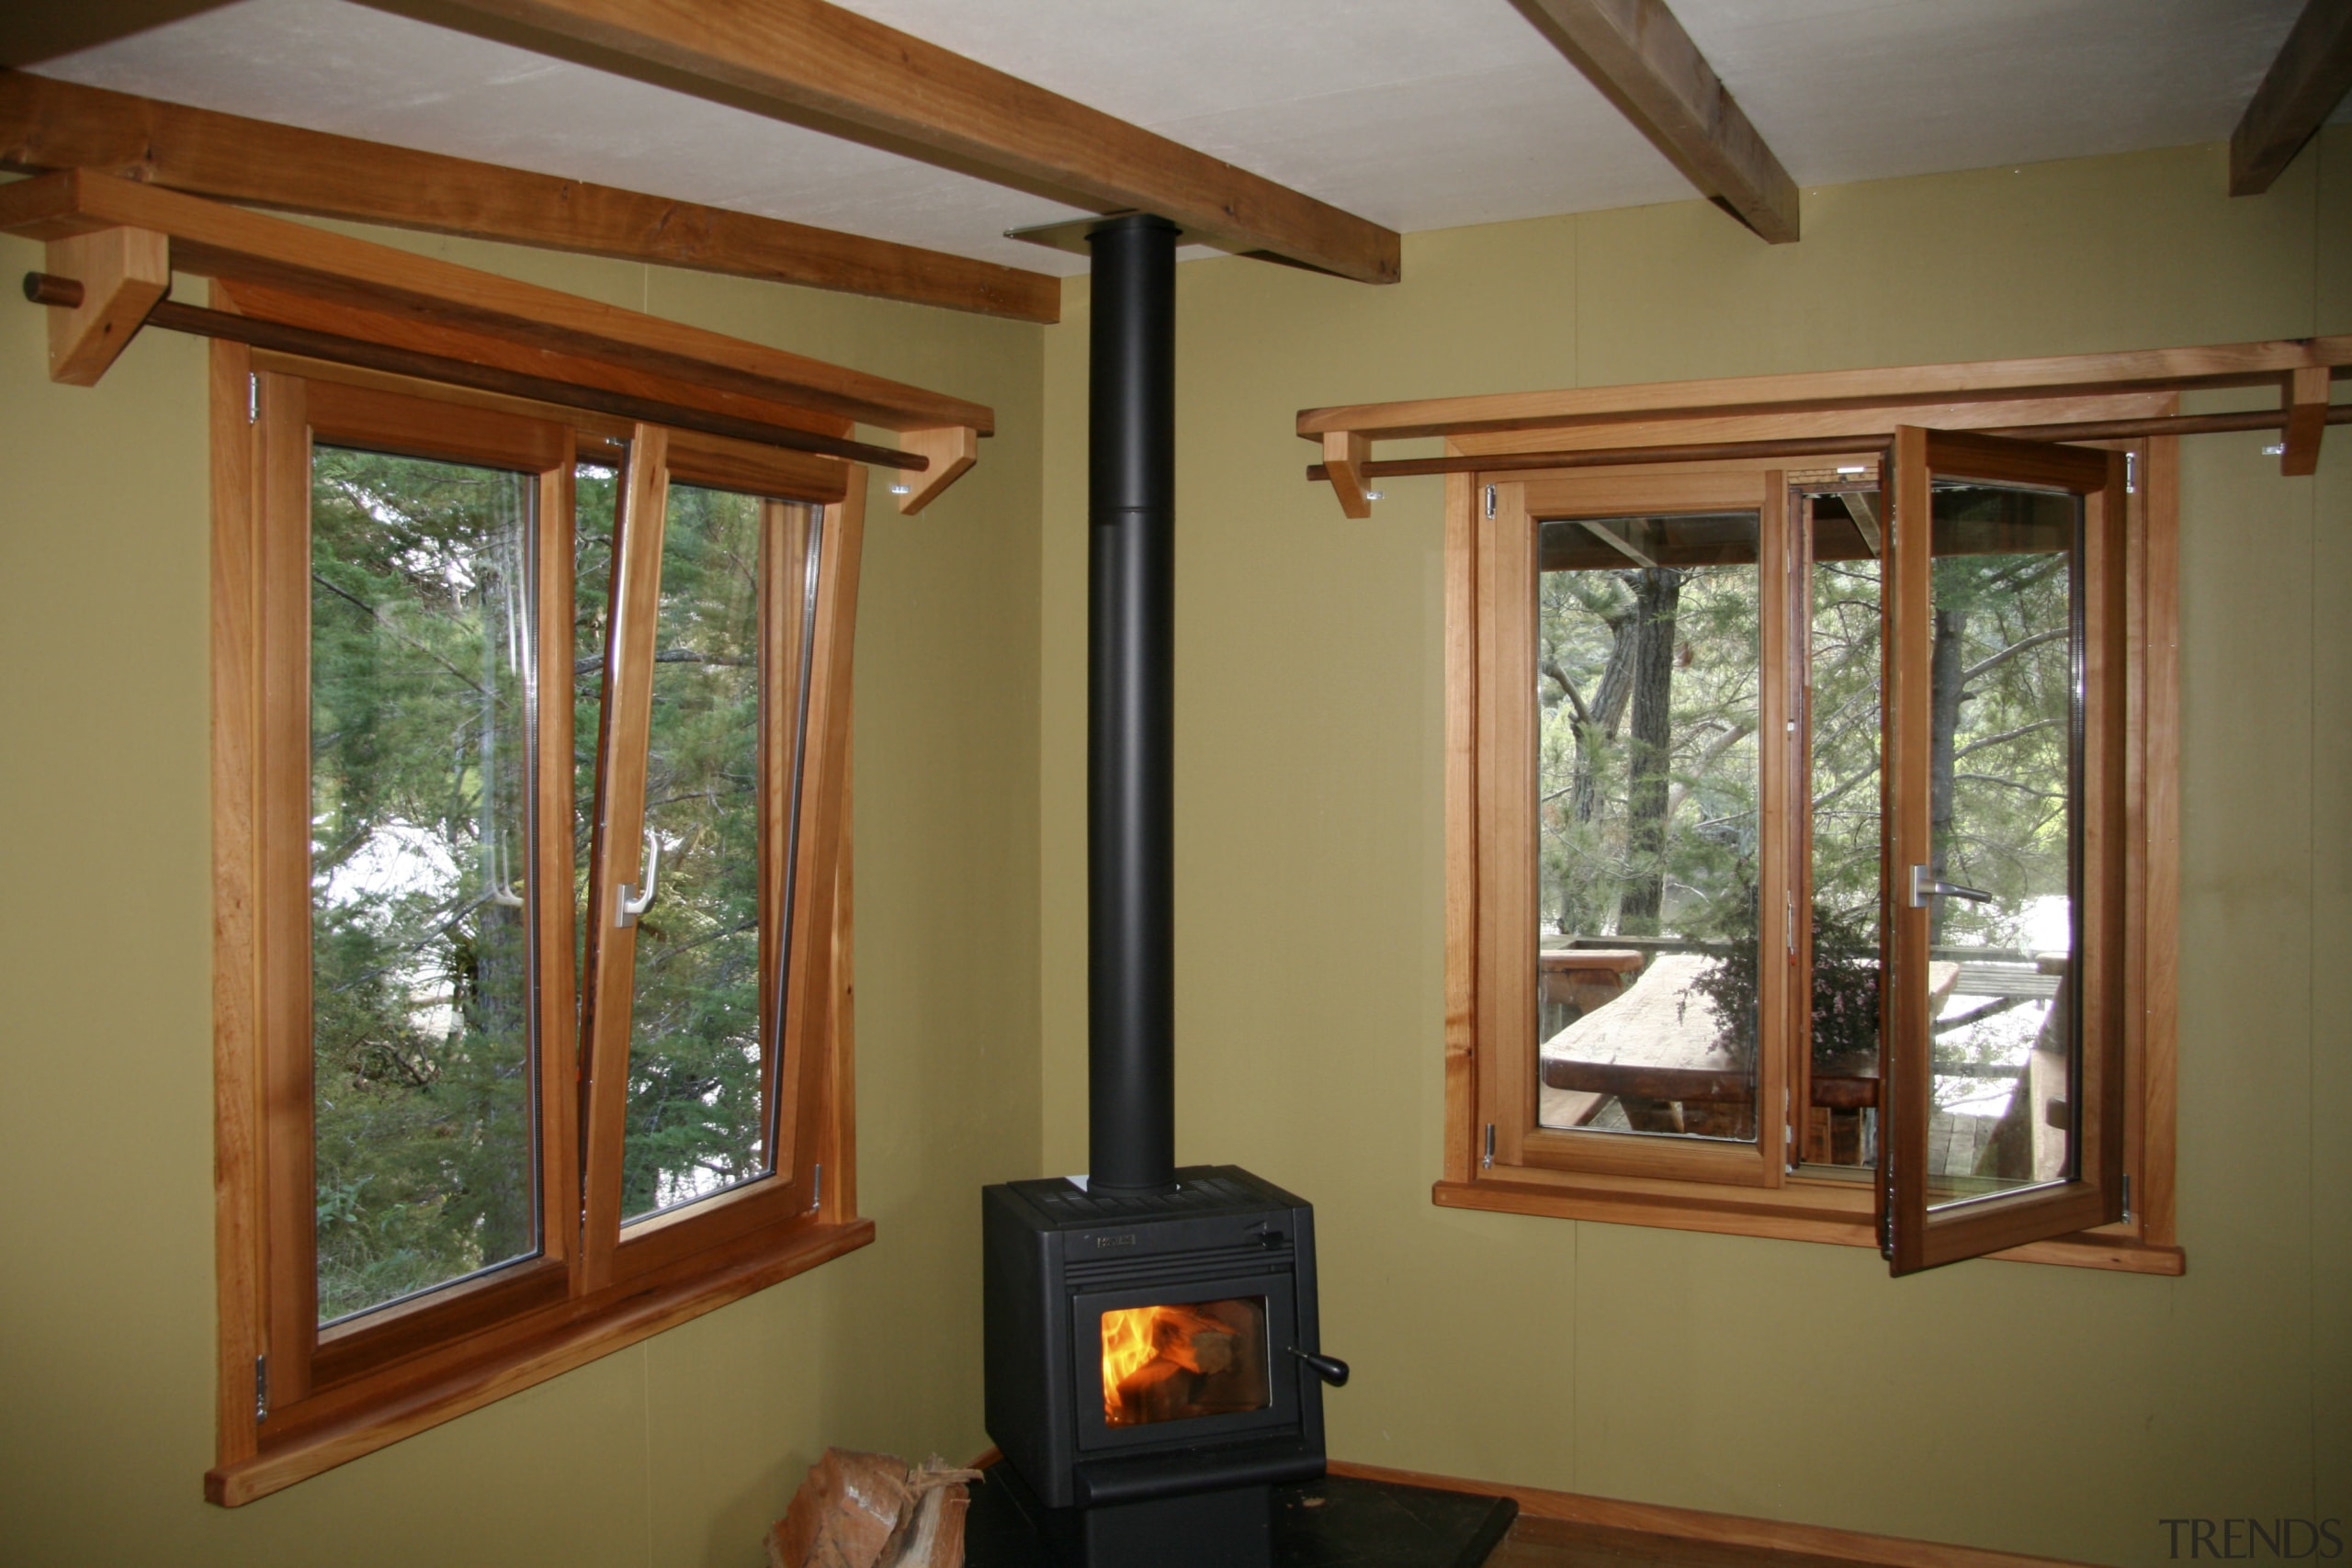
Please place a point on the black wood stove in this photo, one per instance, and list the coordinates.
(1153, 1359)
(1152, 1363)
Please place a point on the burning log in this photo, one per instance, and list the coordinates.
(1157, 1390)
(861, 1510)
(1161, 1363)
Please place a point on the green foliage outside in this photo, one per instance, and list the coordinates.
(697, 1094)
(1844, 722)
(2005, 619)
(420, 979)
(1585, 766)
(1999, 763)
(420, 1025)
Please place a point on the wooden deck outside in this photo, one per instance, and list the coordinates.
(1644, 1051)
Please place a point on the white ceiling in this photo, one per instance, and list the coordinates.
(1418, 113)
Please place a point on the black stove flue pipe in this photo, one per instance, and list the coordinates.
(1130, 682)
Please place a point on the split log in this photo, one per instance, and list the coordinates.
(930, 1532)
(844, 1513)
(860, 1510)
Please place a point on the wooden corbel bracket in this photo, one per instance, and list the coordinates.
(122, 273)
(2306, 412)
(950, 448)
(1345, 452)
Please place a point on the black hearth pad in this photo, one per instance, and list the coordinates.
(1337, 1522)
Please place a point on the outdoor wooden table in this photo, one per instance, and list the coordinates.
(1587, 977)
(1662, 1040)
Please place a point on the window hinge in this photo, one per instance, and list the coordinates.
(1788, 1129)
(1488, 1162)
(1791, 907)
(2130, 473)
(261, 1389)
(1491, 503)
(1885, 1198)
(816, 1185)
(2127, 1194)
(253, 399)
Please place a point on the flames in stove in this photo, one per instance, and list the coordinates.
(1173, 1362)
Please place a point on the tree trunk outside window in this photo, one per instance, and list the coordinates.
(1657, 596)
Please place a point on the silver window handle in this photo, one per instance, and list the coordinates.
(1924, 887)
(632, 902)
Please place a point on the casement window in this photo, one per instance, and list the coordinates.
(531, 752)
(1804, 815)
(530, 674)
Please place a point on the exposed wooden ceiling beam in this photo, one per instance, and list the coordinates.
(818, 65)
(31, 33)
(2309, 77)
(1638, 55)
(47, 125)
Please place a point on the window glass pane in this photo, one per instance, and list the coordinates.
(420, 634)
(2000, 783)
(701, 1084)
(1647, 661)
(1842, 736)
(1171, 1363)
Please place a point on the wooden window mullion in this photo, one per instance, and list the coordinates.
(555, 1005)
(1507, 717)
(1796, 609)
(609, 972)
(817, 844)
(283, 808)
(1775, 944)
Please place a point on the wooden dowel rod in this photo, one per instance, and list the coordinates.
(2166, 424)
(48, 289)
(1617, 456)
(1822, 445)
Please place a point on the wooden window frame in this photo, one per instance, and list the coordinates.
(1490, 972)
(593, 1289)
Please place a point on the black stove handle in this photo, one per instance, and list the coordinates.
(1330, 1369)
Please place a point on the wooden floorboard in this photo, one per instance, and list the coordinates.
(1562, 1543)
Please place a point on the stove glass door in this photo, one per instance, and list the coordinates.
(1184, 1361)
(1176, 1361)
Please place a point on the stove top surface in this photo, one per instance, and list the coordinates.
(1202, 1191)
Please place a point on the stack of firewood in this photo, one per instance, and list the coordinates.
(874, 1511)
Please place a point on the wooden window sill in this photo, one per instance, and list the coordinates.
(405, 1400)
(1818, 1212)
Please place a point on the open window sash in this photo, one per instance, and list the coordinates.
(795, 627)
(1997, 908)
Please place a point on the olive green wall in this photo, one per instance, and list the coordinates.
(2041, 1409)
(676, 1451)
(2049, 1410)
